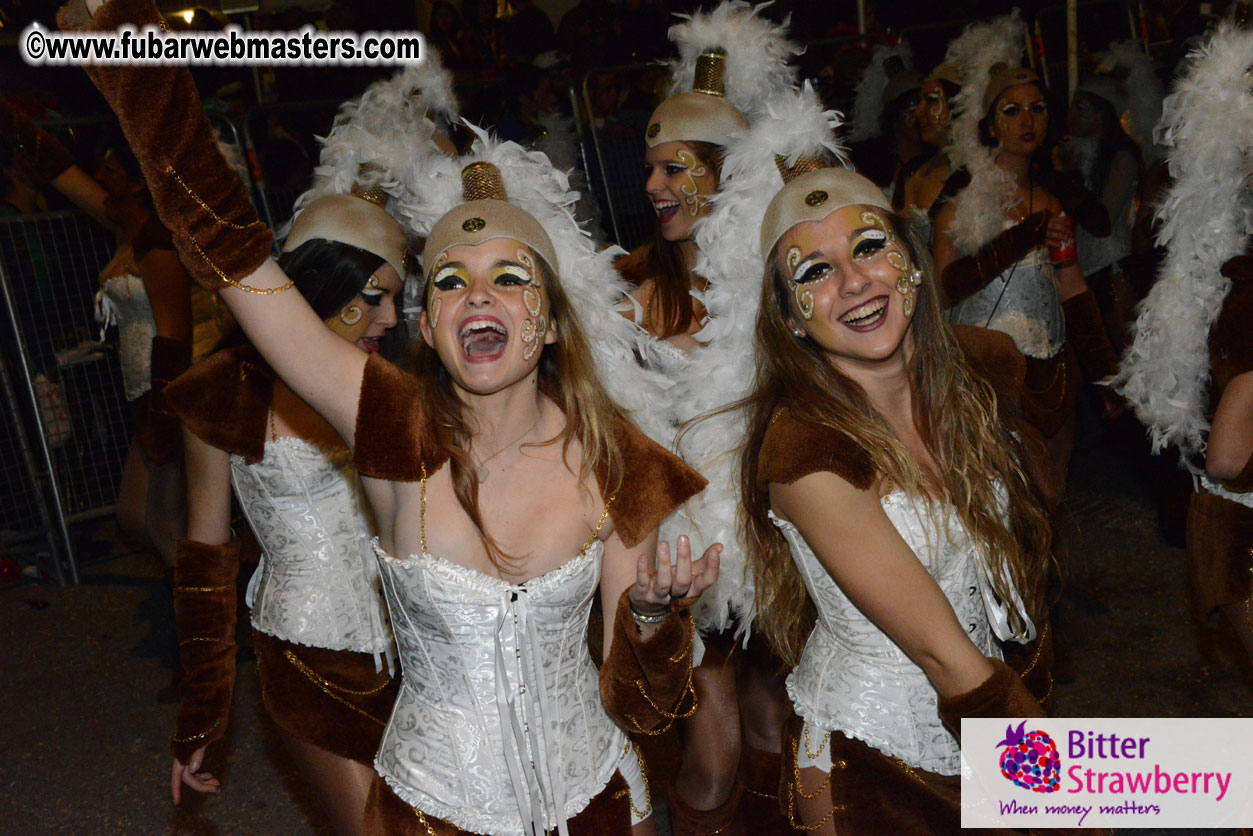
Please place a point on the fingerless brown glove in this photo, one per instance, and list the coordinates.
(647, 685)
(967, 276)
(1082, 205)
(164, 441)
(198, 197)
(1085, 329)
(204, 613)
(38, 156)
(1000, 695)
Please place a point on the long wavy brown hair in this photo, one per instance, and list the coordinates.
(567, 375)
(956, 414)
(671, 307)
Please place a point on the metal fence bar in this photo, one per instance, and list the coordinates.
(51, 507)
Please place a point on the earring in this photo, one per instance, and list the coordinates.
(350, 315)
(916, 277)
(798, 333)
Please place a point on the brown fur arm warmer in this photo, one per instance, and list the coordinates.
(646, 685)
(1085, 328)
(967, 276)
(1000, 695)
(204, 613)
(198, 197)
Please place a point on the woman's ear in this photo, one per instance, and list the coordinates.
(424, 327)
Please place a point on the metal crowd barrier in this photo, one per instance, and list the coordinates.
(68, 422)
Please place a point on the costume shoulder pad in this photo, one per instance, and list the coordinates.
(393, 436)
(655, 482)
(793, 448)
(225, 399)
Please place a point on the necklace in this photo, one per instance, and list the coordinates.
(481, 472)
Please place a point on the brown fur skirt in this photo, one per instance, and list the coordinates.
(1220, 551)
(332, 699)
(608, 814)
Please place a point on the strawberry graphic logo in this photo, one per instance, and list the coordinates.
(1030, 759)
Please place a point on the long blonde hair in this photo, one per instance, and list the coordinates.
(956, 415)
(567, 374)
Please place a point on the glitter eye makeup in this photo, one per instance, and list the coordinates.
(450, 278)
(804, 298)
(691, 190)
(372, 294)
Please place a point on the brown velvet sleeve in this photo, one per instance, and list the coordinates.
(224, 400)
(968, 275)
(1085, 329)
(204, 614)
(1231, 338)
(1000, 695)
(198, 197)
(392, 439)
(655, 482)
(792, 449)
(646, 685)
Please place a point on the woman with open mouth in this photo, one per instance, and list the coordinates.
(1015, 269)
(508, 490)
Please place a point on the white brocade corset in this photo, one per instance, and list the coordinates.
(1022, 302)
(123, 302)
(499, 726)
(853, 678)
(317, 584)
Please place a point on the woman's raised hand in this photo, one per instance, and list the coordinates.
(659, 583)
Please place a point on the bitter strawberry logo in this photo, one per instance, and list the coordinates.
(1030, 759)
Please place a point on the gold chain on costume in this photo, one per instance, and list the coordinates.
(200, 736)
(604, 515)
(798, 790)
(330, 688)
(422, 818)
(201, 588)
(626, 792)
(260, 291)
(1061, 369)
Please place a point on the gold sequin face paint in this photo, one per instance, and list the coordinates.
(878, 237)
(804, 298)
(692, 196)
(436, 304)
(535, 326)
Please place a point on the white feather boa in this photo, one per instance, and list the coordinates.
(758, 52)
(980, 208)
(721, 372)
(588, 277)
(868, 96)
(1206, 217)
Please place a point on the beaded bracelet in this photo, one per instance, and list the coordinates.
(645, 618)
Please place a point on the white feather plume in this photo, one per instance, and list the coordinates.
(980, 208)
(1144, 93)
(758, 52)
(868, 96)
(721, 372)
(1206, 218)
(388, 126)
(588, 277)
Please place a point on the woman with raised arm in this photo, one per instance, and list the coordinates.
(506, 486)
(891, 522)
(319, 629)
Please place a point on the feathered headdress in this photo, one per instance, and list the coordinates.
(869, 96)
(980, 207)
(792, 124)
(757, 53)
(1126, 60)
(387, 138)
(1206, 218)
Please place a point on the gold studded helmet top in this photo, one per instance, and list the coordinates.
(486, 214)
(810, 194)
(1001, 78)
(702, 115)
(358, 220)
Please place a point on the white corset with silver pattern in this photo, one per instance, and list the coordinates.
(854, 679)
(499, 726)
(317, 584)
(1022, 302)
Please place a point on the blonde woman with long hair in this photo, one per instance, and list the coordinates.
(896, 539)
